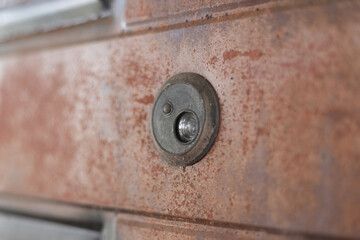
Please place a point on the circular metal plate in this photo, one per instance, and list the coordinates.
(185, 93)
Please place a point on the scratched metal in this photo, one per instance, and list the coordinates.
(75, 121)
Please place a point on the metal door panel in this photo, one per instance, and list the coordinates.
(75, 121)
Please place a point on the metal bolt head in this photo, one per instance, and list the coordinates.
(187, 127)
(167, 108)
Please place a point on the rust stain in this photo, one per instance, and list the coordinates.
(147, 99)
(139, 72)
(213, 61)
(337, 114)
(252, 54)
(36, 117)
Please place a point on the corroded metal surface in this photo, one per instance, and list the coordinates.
(75, 121)
(142, 227)
(146, 11)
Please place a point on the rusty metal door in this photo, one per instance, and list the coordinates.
(76, 104)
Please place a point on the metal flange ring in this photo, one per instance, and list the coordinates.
(185, 119)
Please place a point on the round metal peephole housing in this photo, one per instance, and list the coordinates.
(185, 119)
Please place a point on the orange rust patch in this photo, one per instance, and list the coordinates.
(146, 99)
(252, 54)
(213, 60)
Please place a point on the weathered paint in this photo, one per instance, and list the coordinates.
(75, 121)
